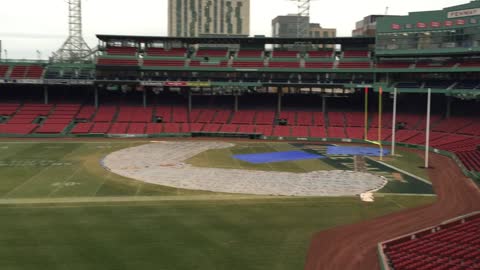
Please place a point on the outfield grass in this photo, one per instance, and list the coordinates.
(156, 227)
(70, 169)
(222, 158)
(410, 162)
(176, 235)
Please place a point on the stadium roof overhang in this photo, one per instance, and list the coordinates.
(352, 41)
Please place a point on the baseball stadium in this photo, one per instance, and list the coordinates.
(236, 152)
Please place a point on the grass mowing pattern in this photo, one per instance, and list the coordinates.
(195, 232)
(38, 170)
(177, 235)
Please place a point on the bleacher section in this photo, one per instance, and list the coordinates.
(210, 53)
(248, 64)
(284, 54)
(3, 70)
(117, 62)
(218, 64)
(121, 51)
(320, 54)
(356, 54)
(26, 72)
(175, 52)
(250, 54)
(163, 63)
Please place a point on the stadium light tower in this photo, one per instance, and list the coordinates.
(303, 26)
(75, 48)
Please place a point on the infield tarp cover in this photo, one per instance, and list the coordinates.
(260, 158)
(355, 151)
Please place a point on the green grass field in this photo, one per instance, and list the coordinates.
(60, 209)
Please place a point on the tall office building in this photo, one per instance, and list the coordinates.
(196, 18)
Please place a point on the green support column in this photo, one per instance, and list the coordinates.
(189, 101)
(449, 107)
(279, 101)
(144, 98)
(96, 97)
(235, 103)
(324, 105)
(45, 94)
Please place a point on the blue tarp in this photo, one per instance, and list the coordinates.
(355, 151)
(260, 158)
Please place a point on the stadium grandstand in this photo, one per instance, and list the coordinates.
(453, 244)
(159, 86)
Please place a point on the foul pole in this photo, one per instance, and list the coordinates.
(379, 142)
(427, 130)
(394, 120)
(380, 100)
(366, 113)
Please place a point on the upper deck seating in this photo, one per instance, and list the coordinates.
(248, 64)
(219, 64)
(325, 65)
(117, 62)
(354, 65)
(250, 54)
(272, 64)
(210, 53)
(121, 50)
(394, 64)
(320, 54)
(163, 63)
(174, 52)
(356, 54)
(284, 54)
(3, 70)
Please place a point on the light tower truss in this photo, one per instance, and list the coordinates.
(74, 48)
(303, 20)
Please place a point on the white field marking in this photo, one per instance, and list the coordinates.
(404, 194)
(402, 171)
(75, 142)
(33, 177)
(62, 184)
(65, 184)
(26, 182)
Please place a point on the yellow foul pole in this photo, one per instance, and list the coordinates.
(366, 113)
(380, 100)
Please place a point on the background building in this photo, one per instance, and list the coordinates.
(367, 27)
(316, 30)
(208, 18)
(287, 27)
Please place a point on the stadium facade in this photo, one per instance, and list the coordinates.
(434, 51)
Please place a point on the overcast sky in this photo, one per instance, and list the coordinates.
(30, 25)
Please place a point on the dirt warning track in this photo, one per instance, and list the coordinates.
(353, 247)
